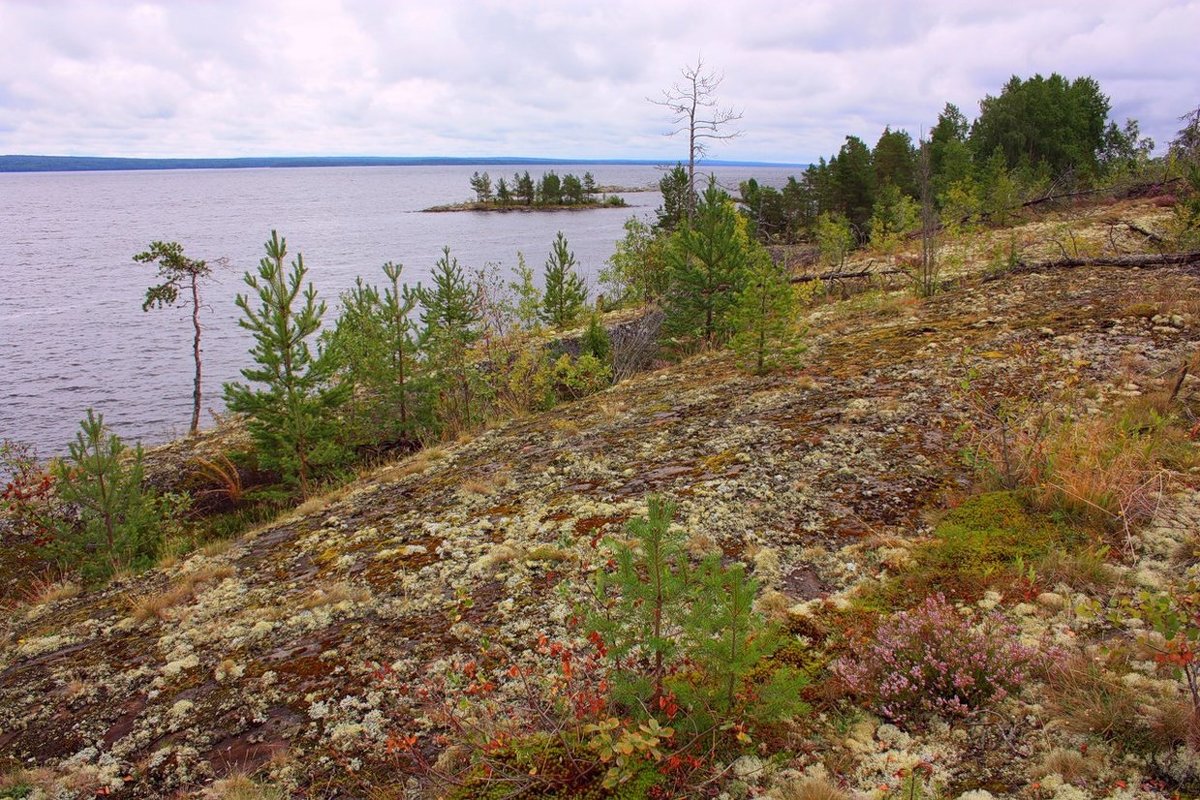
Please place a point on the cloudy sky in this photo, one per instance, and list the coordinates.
(552, 78)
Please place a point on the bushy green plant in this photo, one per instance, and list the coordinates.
(707, 261)
(596, 341)
(835, 239)
(578, 377)
(374, 344)
(767, 333)
(117, 521)
(636, 271)
(450, 322)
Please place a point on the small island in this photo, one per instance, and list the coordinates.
(549, 193)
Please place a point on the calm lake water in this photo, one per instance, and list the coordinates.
(72, 332)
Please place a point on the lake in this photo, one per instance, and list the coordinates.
(72, 332)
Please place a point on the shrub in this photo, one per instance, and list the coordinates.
(576, 378)
(28, 488)
(117, 522)
(932, 661)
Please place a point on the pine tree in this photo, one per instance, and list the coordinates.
(707, 261)
(528, 305)
(565, 292)
(374, 345)
(482, 186)
(524, 187)
(765, 317)
(176, 269)
(649, 588)
(450, 326)
(118, 521)
(292, 413)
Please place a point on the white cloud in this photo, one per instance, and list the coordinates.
(547, 78)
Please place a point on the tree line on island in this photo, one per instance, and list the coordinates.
(548, 191)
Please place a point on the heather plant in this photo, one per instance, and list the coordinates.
(934, 661)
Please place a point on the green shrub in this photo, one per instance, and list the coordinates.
(117, 523)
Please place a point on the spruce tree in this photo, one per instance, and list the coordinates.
(291, 403)
(565, 292)
(707, 261)
(450, 326)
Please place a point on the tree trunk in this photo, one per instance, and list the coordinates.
(196, 357)
(1127, 262)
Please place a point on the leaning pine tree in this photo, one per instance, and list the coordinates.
(291, 413)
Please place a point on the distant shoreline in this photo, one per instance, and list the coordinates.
(21, 163)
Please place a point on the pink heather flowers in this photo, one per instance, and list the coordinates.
(933, 661)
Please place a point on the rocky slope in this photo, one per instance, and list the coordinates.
(265, 655)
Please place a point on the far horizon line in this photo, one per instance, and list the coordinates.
(57, 163)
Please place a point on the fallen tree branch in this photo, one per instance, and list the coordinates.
(837, 276)
(1151, 235)
(1127, 262)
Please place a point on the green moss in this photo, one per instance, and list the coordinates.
(976, 547)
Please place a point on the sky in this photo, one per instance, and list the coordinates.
(553, 78)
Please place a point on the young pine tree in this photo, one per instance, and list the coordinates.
(527, 307)
(450, 322)
(374, 346)
(292, 412)
(118, 521)
(176, 270)
(707, 261)
(648, 591)
(765, 317)
(565, 292)
(726, 640)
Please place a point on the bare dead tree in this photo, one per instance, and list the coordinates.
(692, 103)
(929, 268)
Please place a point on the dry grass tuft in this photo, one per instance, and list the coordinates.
(242, 787)
(811, 788)
(1071, 765)
(413, 465)
(156, 606)
(333, 595)
(1084, 570)
(45, 589)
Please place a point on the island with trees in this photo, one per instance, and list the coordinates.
(551, 192)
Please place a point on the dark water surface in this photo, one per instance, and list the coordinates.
(72, 332)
